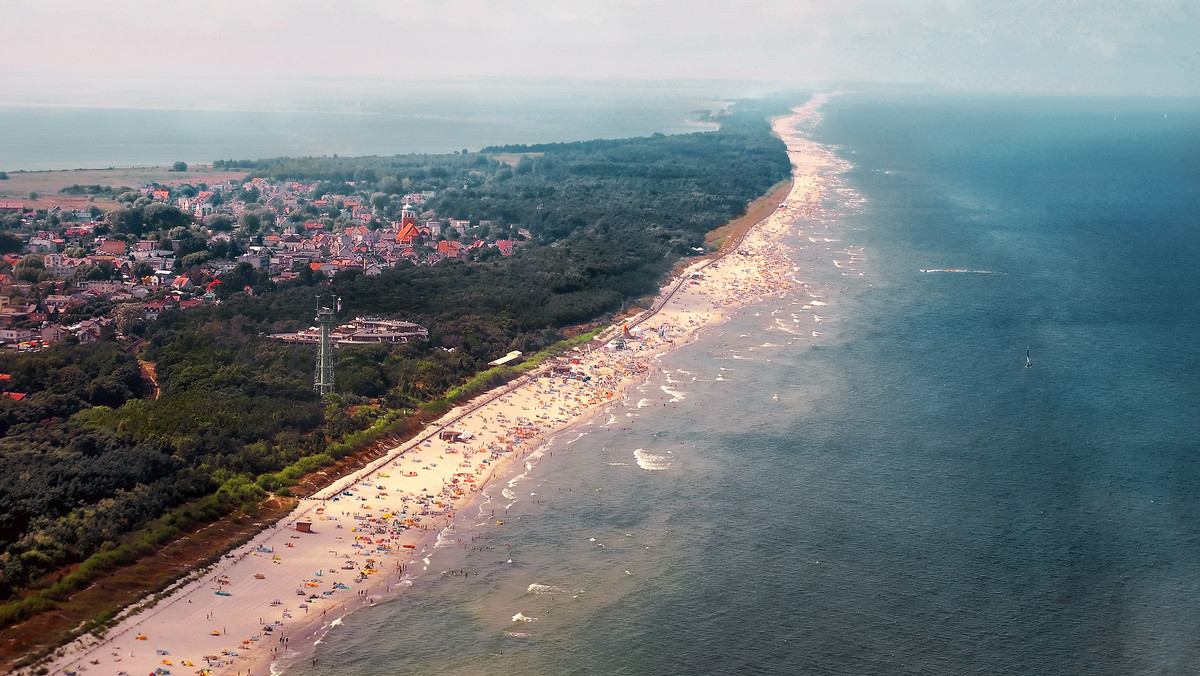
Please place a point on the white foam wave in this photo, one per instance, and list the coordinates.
(650, 462)
(784, 327)
(676, 395)
(643, 403)
(536, 588)
(520, 617)
(515, 480)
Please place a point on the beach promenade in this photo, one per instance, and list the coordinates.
(373, 533)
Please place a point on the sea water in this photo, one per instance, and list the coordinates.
(879, 484)
(52, 130)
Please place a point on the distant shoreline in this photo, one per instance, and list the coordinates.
(433, 119)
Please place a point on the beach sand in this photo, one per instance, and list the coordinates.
(371, 534)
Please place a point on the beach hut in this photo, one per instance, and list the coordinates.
(509, 358)
(304, 526)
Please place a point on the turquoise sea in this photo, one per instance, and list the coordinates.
(896, 492)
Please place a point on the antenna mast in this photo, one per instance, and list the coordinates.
(323, 381)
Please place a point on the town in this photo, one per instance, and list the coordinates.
(90, 273)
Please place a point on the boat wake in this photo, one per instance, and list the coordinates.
(970, 272)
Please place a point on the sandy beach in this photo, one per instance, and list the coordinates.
(373, 533)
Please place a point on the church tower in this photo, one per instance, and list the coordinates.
(408, 215)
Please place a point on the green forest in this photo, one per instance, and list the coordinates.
(89, 458)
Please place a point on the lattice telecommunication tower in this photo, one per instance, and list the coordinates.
(323, 381)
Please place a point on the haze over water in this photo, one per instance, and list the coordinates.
(345, 117)
(898, 492)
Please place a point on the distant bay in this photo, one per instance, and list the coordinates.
(47, 133)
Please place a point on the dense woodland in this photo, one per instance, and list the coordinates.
(87, 458)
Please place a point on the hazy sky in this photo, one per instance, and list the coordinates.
(1086, 46)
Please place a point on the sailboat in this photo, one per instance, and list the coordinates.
(1028, 362)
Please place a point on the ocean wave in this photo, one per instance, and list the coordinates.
(520, 617)
(537, 588)
(444, 537)
(516, 480)
(785, 328)
(677, 396)
(650, 462)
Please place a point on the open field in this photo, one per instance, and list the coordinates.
(47, 184)
(511, 159)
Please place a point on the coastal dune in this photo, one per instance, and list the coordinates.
(373, 533)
